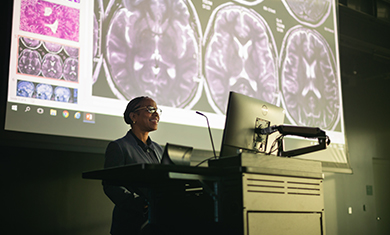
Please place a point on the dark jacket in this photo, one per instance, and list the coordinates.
(129, 211)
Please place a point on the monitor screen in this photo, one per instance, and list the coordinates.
(244, 115)
(74, 65)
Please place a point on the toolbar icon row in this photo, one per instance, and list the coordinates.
(88, 117)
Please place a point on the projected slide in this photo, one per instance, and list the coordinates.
(92, 57)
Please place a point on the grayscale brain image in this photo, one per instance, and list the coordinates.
(31, 43)
(240, 56)
(308, 77)
(30, 62)
(152, 48)
(52, 66)
(310, 13)
(70, 69)
(52, 47)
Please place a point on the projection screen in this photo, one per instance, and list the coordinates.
(74, 65)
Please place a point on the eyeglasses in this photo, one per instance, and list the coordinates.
(150, 109)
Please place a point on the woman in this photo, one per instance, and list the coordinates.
(130, 211)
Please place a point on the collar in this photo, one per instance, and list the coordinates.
(144, 146)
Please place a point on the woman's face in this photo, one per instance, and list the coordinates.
(144, 120)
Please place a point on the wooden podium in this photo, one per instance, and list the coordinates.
(244, 194)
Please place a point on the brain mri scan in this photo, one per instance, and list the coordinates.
(308, 79)
(240, 55)
(310, 12)
(25, 89)
(71, 51)
(52, 47)
(44, 91)
(71, 69)
(52, 66)
(29, 62)
(31, 43)
(49, 60)
(152, 48)
(62, 94)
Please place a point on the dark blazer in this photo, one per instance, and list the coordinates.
(129, 211)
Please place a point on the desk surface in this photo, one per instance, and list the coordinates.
(229, 166)
(157, 173)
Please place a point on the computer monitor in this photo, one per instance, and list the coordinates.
(245, 114)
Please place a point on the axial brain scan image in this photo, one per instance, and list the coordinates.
(31, 43)
(308, 79)
(71, 51)
(240, 56)
(29, 62)
(152, 48)
(52, 47)
(52, 66)
(309, 12)
(71, 69)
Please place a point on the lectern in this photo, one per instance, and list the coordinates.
(243, 194)
(273, 195)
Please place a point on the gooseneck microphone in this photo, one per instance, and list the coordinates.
(211, 137)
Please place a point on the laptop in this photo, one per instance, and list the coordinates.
(176, 155)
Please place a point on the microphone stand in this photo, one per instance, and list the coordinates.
(211, 137)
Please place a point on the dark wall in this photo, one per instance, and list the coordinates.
(43, 192)
(365, 74)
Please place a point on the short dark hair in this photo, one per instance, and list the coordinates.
(131, 106)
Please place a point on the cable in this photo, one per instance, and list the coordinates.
(204, 161)
(277, 140)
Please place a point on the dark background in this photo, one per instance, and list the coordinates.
(43, 192)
